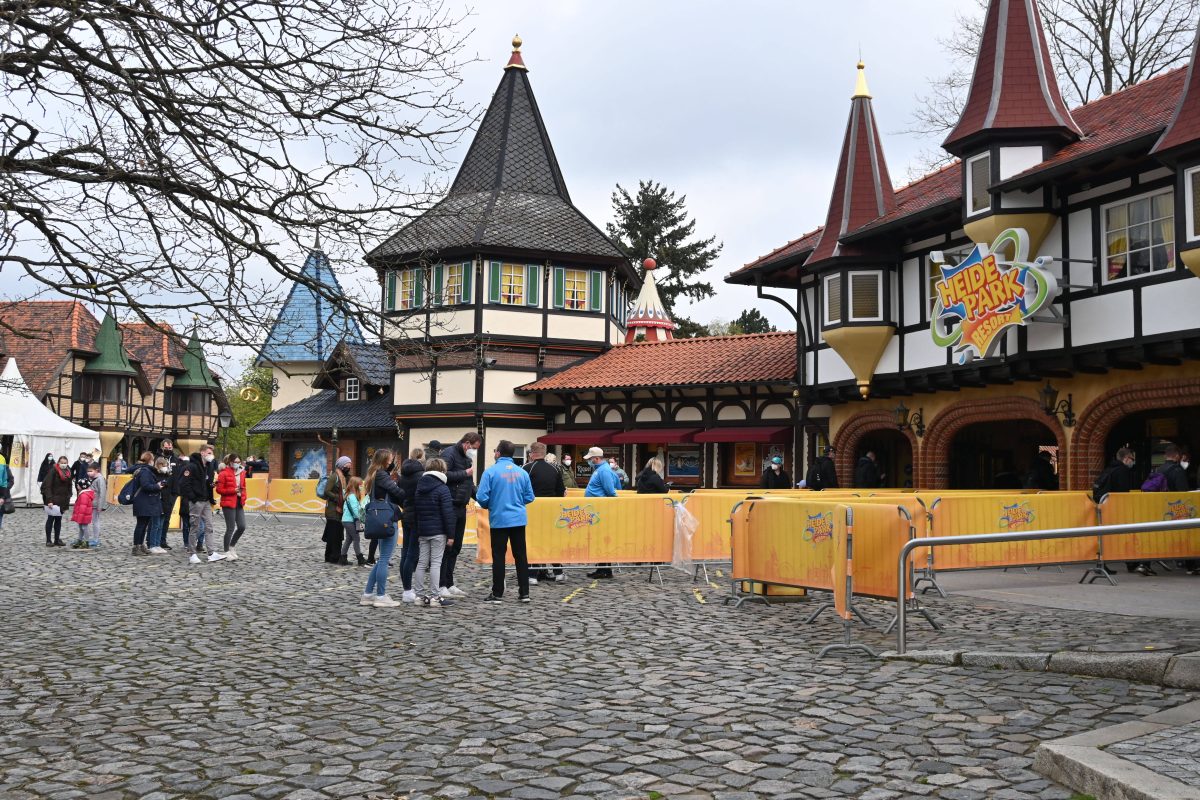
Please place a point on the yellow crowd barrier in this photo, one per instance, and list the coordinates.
(115, 483)
(638, 529)
(256, 494)
(786, 542)
(293, 497)
(1124, 508)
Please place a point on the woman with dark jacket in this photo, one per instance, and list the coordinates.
(649, 480)
(380, 486)
(56, 496)
(410, 473)
(147, 501)
(47, 465)
(435, 527)
(335, 498)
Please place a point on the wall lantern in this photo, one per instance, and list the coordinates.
(1055, 407)
(914, 422)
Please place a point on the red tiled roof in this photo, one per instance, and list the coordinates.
(155, 350)
(46, 332)
(942, 186)
(1019, 92)
(1184, 127)
(803, 245)
(756, 357)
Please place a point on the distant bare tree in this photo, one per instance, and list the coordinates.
(164, 157)
(1098, 46)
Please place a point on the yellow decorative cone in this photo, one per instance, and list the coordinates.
(861, 347)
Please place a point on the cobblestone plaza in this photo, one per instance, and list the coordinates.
(263, 678)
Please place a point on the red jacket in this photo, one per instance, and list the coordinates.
(84, 504)
(231, 486)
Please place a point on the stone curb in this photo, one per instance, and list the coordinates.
(1079, 762)
(1181, 671)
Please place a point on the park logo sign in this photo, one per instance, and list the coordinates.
(982, 296)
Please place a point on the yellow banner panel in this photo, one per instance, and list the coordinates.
(294, 497)
(959, 515)
(1125, 508)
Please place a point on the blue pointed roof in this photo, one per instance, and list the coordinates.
(309, 326)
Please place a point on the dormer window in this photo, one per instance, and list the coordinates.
(102, 389)
(352, 389)
(979, 177)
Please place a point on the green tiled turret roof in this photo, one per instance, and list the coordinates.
(198, 375)
(113, 360)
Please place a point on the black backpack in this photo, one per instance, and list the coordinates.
(1102, 482)
(813, 479)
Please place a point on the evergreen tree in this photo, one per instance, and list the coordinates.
(751, 321)
(655, 224)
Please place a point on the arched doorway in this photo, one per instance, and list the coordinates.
(894, 449)
(999, 455)
(1147, 433)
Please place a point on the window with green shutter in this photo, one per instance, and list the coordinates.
(560, 287)
(596, 297)
(437, 285)
(389, 302)
(533, 285)
(419, 287)
(494, 282)
(468, 273)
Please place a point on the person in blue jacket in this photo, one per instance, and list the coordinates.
(603, 483)
(504, 490)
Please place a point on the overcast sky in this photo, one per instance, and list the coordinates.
(740, 107)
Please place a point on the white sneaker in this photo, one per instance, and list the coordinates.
(445, 593)
(367, 600)
(532, 581)
(435, 602)
(232, 556)
(409, 596)
(194, 559)
(560, 578)
(383, 601)
(216, 557)
(158, 551)
(456, 592)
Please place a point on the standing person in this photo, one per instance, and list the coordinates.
(380, 486)
(79, 469)
(100, 487)
(147, 501)
(568, 471)
(1041, 473)
(775, 476)
(44, 469)
(5, 483)
(650, 480)
(1169, 477)
(200, 507)
(547, 481)
(822, 474)
(231, 486)
(334, 497)
(56, 496)
(504, 490)
(170, 494)
(1118, 476)
(85, 509)
(410, 475)
(866, 473)
(615, 465)
(433, 526)
(117, 466)
(460, 470)
(354, 518)
(158, 528)
(603, 483)
(179, 467)
(197, 491)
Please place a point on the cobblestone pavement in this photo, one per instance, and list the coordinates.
(127, 677)
(1174, 752)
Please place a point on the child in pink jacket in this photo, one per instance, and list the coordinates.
(85, 513)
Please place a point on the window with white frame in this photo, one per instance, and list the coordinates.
(1191, 210)
(1139, 236)
(866, 297)
(512, 284)
(575, 283)
(979, 177)
(833, 299)
(453, 288)
(406, 291)
(352, 389)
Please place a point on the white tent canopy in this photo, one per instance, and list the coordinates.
(36, 430)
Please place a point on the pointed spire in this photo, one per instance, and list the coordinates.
(1013, 88)
(862, 189)
(197, 375)
(309, 325)
(649, 318)
(110, 344)
(317, 243)
(515, 61)
(1184, 128)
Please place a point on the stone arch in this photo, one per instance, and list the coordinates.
(1099, 417)
(845, 443)
(933, 468)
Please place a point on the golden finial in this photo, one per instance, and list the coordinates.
(515, 61)
(516, 43)
(860, 85)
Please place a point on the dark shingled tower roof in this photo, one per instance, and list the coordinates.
(509, 192)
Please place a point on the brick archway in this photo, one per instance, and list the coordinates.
(933, 469)
(1095, 422)
(845, 444)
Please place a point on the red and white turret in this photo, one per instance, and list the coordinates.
(648, 319)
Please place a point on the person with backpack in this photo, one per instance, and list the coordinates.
(145, 496)
(822, 474)
(1169, 477)
(460, 473)
(333, 492)
(354, 519)
(410, 475)
(434, 526)
(56, 496)
(382, 490)
(1118, 476)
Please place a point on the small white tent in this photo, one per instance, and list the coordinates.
(36, 430)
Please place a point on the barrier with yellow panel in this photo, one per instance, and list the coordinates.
(115, 483)
(293, 497)
(785, 542)
(1125, 508)
(712, 513)
(256, 494)
(634, 529)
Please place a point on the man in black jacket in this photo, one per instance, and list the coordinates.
(822, 474)
(866, 474)
(460, 471)
(547, 480)
(775, 476)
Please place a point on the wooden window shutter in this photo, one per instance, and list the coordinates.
(494, 288)
(467, 277)
(560, 287)
(533, 285)
(389, 301)
(436, 298)
(419, 287)
(596, 291)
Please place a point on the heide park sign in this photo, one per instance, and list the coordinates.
(982, 296)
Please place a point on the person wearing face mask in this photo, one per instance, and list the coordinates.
(335, 503)
(775, 476)
(621, 474)
(44, 469)
(460, 470)
(159, 522)
(194, 487)
(231, 486)
(147, 505)
(564, 466)
(1118, 476)
(56, 496)
(603, 483)
(79, 469)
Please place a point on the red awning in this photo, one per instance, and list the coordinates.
(647, 435)
(780, 435)
(591, 437)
